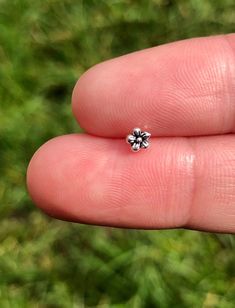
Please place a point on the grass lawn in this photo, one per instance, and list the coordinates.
(44, 47)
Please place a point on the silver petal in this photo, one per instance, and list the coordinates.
(137, 132)
(130, 139)
(145, 135)
(144, 144)
(135, 147)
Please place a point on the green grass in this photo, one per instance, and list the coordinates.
(44, 47)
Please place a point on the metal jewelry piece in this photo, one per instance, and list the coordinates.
(138, 140)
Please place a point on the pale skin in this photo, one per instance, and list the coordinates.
(183, 93)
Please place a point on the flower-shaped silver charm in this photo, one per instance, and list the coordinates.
(138, 140)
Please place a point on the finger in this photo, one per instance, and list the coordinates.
(179, 89)
(178, 182)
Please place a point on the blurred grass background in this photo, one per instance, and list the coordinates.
(44, 47)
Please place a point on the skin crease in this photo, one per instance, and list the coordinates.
(180, 89)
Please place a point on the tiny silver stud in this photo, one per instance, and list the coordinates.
(138, 139)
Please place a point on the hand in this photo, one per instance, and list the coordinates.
(183, 94)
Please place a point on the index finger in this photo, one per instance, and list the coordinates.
(180, 89)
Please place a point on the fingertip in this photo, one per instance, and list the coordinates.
(37, 179)
(45, 181)
(61, 175)
(90, 93)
